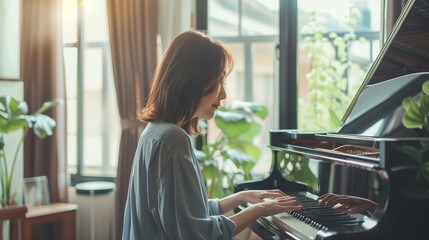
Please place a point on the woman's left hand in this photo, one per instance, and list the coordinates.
(257, 196)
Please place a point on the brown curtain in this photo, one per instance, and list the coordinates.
(133, 30)
(394, 8)
(42, 72)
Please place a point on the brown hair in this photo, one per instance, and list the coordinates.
(192, 66)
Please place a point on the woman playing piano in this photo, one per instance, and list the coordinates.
(167, 197)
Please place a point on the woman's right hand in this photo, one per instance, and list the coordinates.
(349, 204)
(278, 205)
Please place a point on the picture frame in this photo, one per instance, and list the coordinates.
(36, 192)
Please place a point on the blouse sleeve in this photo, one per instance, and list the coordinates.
(182, 211)
(214, 207)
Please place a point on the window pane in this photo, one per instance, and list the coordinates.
(223, 17)
(9, 39)
(260, 17)
(265, 92)
(69, 21)
(235, 84)
(336, 47)
(92, 107)
(100, 115)
(70, 64)
(95, 21)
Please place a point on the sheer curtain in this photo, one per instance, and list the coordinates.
(42, 72)
(133, 31)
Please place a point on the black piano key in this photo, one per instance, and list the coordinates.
(322, 217)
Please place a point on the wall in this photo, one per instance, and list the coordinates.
(9, 39)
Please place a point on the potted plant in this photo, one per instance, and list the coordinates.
(231, 157)
(13, 117)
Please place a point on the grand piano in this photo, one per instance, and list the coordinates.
(373, 157)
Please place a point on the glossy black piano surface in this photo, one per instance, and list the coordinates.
(373, 156)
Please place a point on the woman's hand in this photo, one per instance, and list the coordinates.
(263, 208)
(278, 205)
(257, 196)
(251, 196)
(349, 204)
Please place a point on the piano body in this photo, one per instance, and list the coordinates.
(373, 156)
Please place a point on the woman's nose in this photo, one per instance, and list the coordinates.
(222, 94)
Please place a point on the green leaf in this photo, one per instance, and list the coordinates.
(425, 87)
(46, 105)
(412, 152)
(263, 113)
(248, 136)
(334, 121)
(424, 105)
(12, 107)
(43, 125)
(11, 114)
(406, 103)
(239, 158)
(404, 167)
(413, 118)
(218, 191)
(250, 108)
(201, 156)
(14, 125)
(246, 147)
(1, 143)
(210, 171)
(231, 123)
(424, 171)
(30, 119)
(425, 145)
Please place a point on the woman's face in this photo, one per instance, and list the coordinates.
(210, 103)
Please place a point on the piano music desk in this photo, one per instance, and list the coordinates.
(62, 212)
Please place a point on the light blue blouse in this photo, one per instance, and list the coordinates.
(167, 198)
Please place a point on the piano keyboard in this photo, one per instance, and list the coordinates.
(305, 223)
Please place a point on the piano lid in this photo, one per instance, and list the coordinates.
(398, 72)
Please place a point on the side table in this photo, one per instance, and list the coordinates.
(62, 212)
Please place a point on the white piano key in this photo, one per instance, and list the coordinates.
(294, 226)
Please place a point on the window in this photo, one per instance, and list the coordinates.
(250, 29)
(336, 46)
(348, 36)
(93, 127)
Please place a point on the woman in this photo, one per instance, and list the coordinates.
(167, 198)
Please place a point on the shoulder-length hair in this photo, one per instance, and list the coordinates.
(192, 66)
